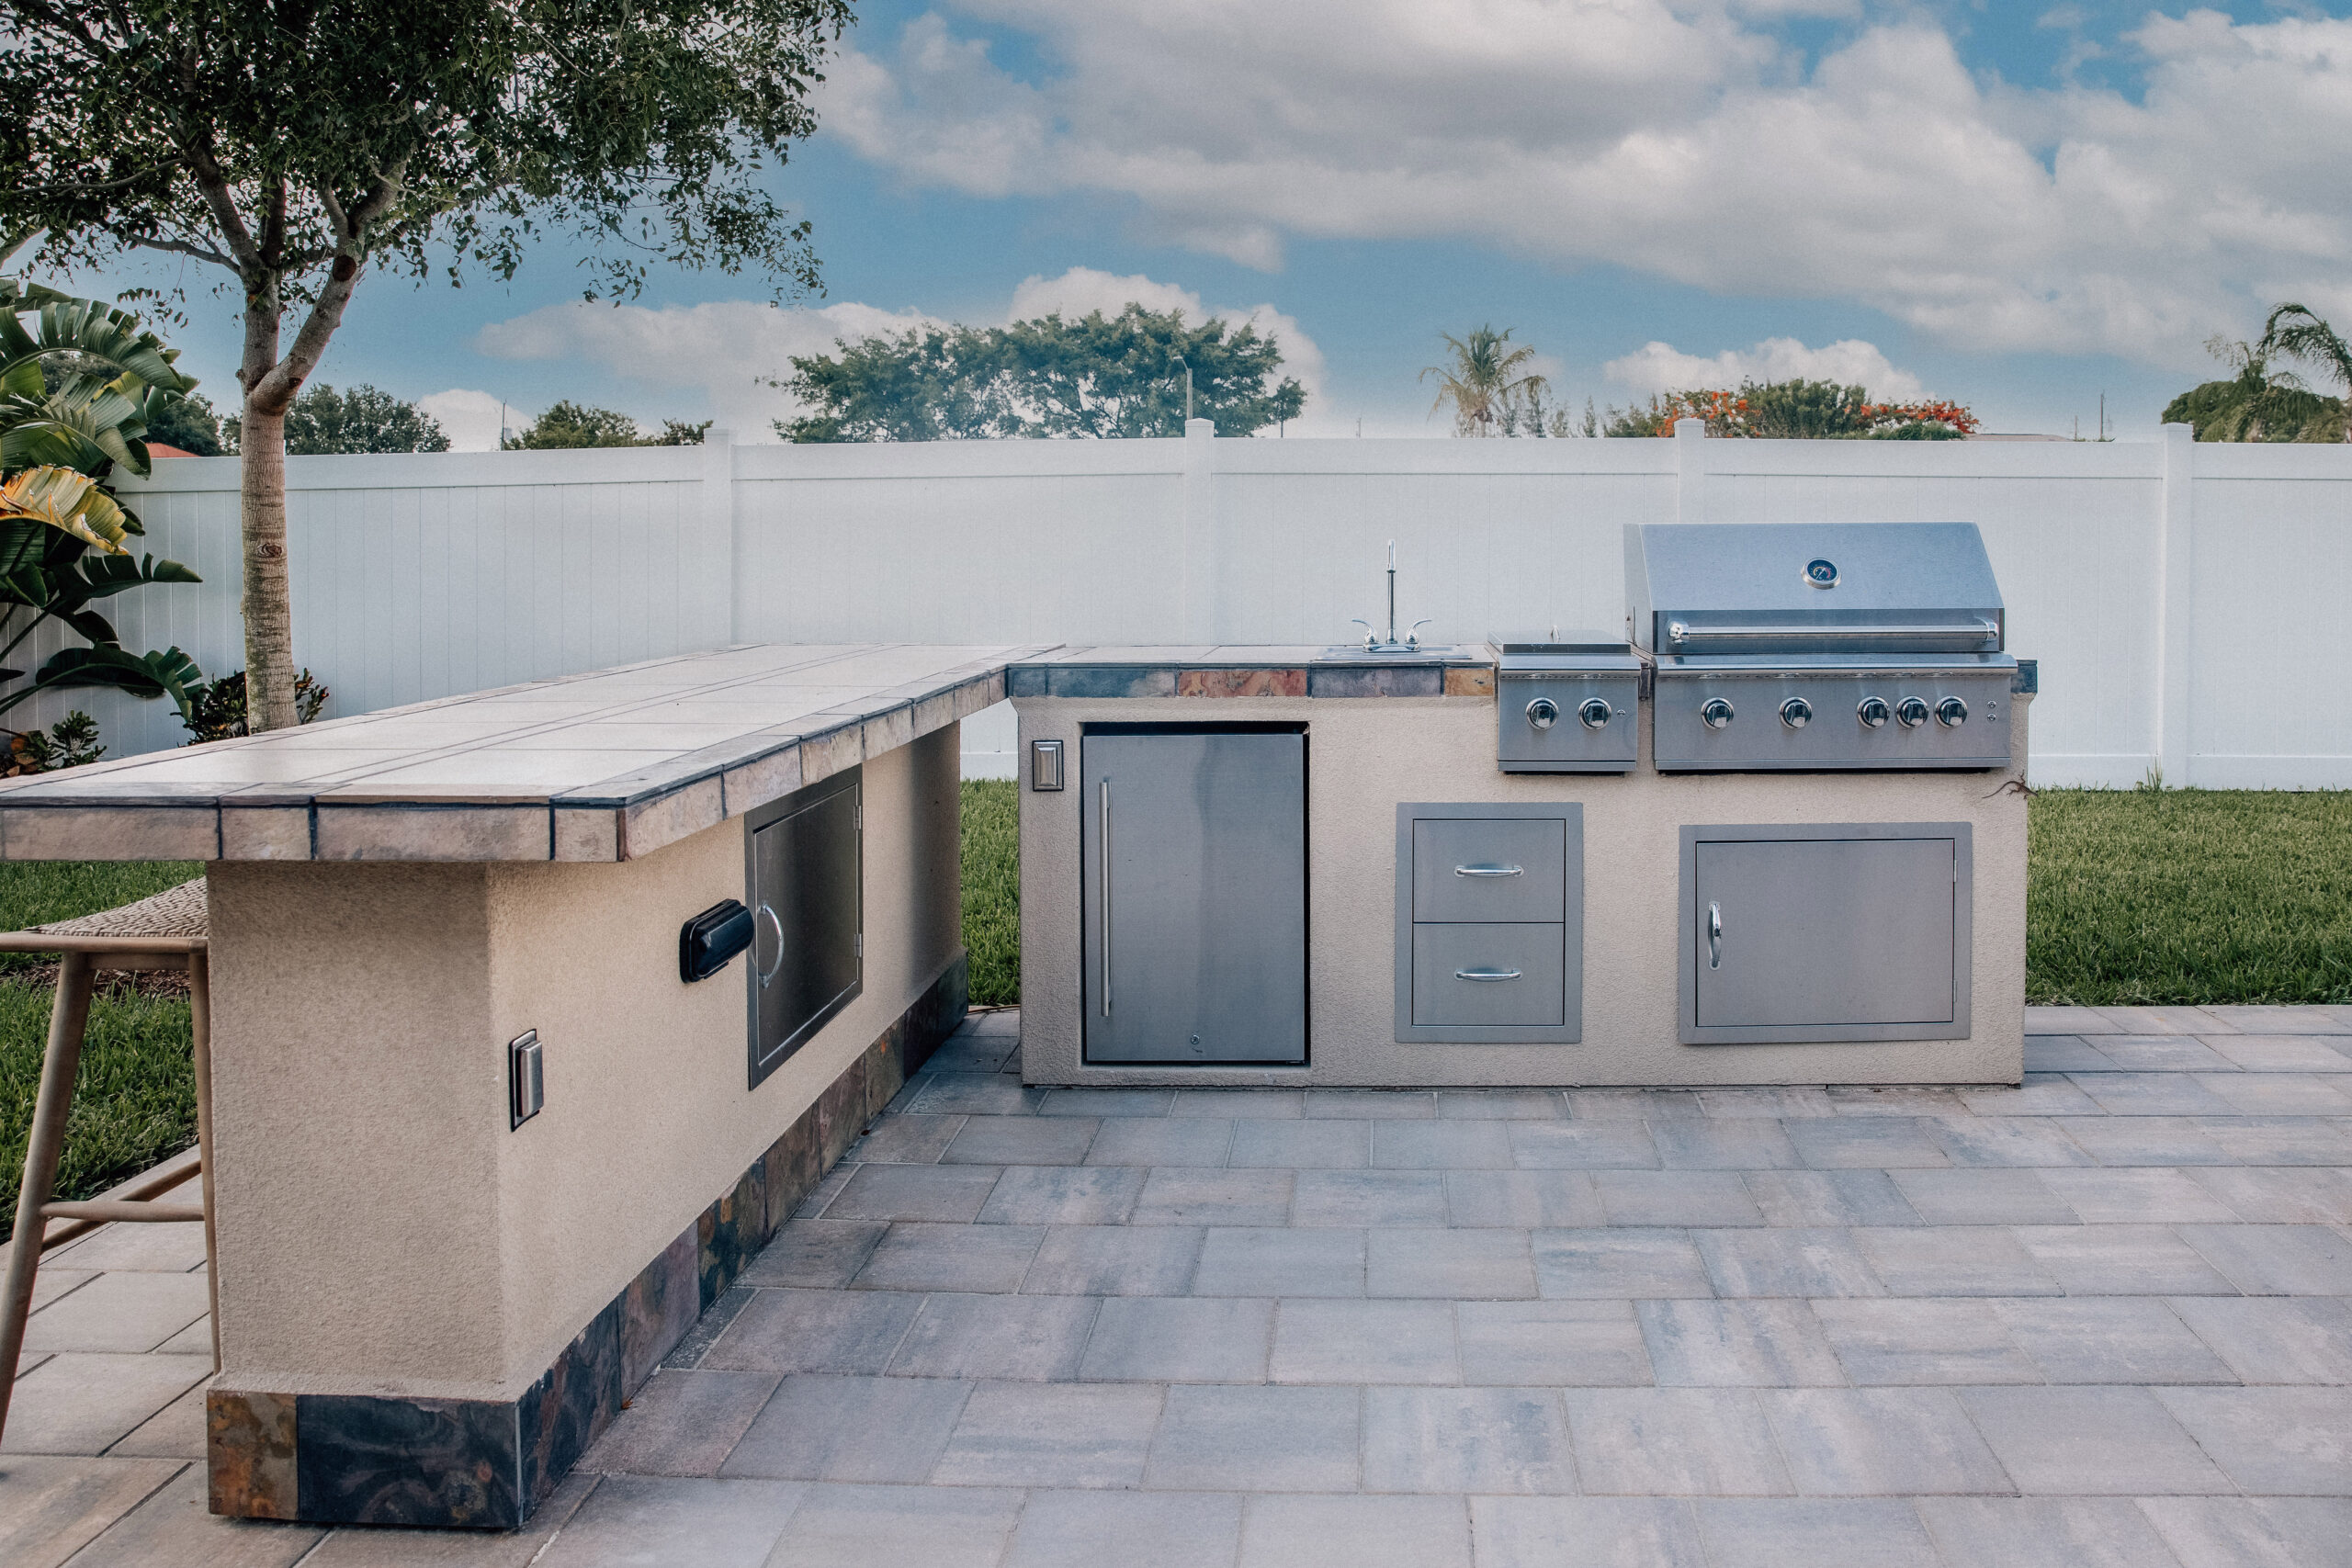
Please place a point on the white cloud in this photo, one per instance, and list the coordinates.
(727, 348)
(470, 419)
(722, 349)
(1660, 368)
(1683, 140)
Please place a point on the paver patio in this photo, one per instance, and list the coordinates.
(2102, 1319)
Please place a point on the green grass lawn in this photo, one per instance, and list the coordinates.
(2136, 897)
(136, 1102)
(992, 889)
(2153, 897)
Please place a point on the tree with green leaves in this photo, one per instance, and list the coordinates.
(1484, 378)
(323, 421)
(2297, 333)
(298, 144)
(567, 425)
(1095, 376)
(192, 424)
(2259, 401)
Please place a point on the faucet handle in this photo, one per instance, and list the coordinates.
(1370, 638)
(1413, 638)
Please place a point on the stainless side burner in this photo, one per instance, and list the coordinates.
(1567, 706)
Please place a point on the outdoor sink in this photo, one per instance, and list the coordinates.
(1389, 654)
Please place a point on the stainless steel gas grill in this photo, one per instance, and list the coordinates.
(1820, 645)
(1567, 706)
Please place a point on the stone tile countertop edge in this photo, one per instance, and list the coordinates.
(1248, 670)
(106, 813)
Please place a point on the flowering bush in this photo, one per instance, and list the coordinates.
(1799, 410)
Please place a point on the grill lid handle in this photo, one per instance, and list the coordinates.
(1977, 626)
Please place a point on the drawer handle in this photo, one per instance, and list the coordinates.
(1486, 974)
(1489, 870)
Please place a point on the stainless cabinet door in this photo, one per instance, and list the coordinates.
(1797, 933)
(807, 917)
(1193, 896)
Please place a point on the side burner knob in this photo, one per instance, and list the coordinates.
(1951, 713)
(1542, 712)
(1912, 711)
(1796, 713)
(1595, 712)
(1874, 711)
(1716, 713)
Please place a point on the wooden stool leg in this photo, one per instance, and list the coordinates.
(68, 1016)
(199, 998)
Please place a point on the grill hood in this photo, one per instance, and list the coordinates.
(1811, 588)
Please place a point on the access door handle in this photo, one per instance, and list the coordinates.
(1486, 974)
(1489, 870)
(768, 914)
(1102, 880)
(1714, 936)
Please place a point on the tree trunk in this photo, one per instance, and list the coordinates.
(268, 608)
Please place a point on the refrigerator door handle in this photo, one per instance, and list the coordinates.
(1102, 874)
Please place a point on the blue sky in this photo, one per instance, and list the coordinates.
(2018, 206)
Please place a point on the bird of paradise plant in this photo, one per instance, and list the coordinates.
(78, 378)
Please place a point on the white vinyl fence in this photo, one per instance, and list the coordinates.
(2188, 603)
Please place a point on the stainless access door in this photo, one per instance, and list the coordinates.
(1193, 895)
(1826, 933)
(806, 947)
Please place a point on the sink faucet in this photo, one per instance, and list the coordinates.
(1371, 640)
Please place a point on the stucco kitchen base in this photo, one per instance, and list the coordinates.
(425, 1314)
(1366, 755)
(390, 1460)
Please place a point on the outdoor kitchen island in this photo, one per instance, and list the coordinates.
(1778, 839)
(482, 1149)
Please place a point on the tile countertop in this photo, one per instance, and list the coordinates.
(607, 766)
(1244, 671)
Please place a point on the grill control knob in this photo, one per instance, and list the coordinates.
(1595, 712)
(1716, 713)
(1912, 712)
(1796, 713)
(1542, 712)
(1874, 711)
(1951, 713)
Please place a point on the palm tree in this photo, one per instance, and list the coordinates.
(2253, 406)
(2295, 332)
(1479, 382)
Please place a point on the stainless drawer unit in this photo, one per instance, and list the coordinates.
(1567, 706)
(1821, 646)
(1824, 931)
(1192, 893)
(1489, 923)
(804, 866)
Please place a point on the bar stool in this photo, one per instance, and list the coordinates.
(166, 931)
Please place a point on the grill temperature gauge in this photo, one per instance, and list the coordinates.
(1874, 711)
